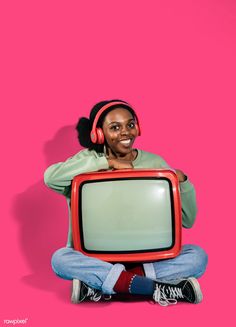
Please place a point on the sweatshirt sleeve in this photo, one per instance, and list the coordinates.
(188, 200)
(60, 175)
(188, 197)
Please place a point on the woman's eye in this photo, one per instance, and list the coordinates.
(115, 127)
(131, 125)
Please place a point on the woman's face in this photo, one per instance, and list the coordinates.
(120, 131)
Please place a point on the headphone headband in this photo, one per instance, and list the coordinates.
(100, 112)
(104, 108)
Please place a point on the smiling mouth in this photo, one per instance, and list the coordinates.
(126, 142)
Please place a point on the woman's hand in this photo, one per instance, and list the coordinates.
(181, 176)
(120, 164)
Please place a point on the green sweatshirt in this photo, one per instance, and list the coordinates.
(60, 175)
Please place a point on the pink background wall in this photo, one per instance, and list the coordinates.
(174, 61)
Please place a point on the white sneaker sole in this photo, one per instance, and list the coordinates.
(197, 289)
(76, 286)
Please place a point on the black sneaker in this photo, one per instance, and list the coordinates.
(82, 292)
(187, 290)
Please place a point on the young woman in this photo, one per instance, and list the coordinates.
(108, 136)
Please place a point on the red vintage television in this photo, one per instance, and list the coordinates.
(127, 215)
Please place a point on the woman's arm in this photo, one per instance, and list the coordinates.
(187, 191)
(60, 175)
(188, 199)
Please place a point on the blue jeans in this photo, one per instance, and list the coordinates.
(70, 264)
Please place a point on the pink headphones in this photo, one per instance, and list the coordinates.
(96, 134)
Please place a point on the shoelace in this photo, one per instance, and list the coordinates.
(175, 292)
(160, 295)
(94, 296)
(107, 297)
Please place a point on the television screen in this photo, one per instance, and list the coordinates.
(129, 215)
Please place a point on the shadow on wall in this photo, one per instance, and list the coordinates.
(43, 218)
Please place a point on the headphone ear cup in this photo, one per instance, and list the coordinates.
(100, 136)
(93, 136)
